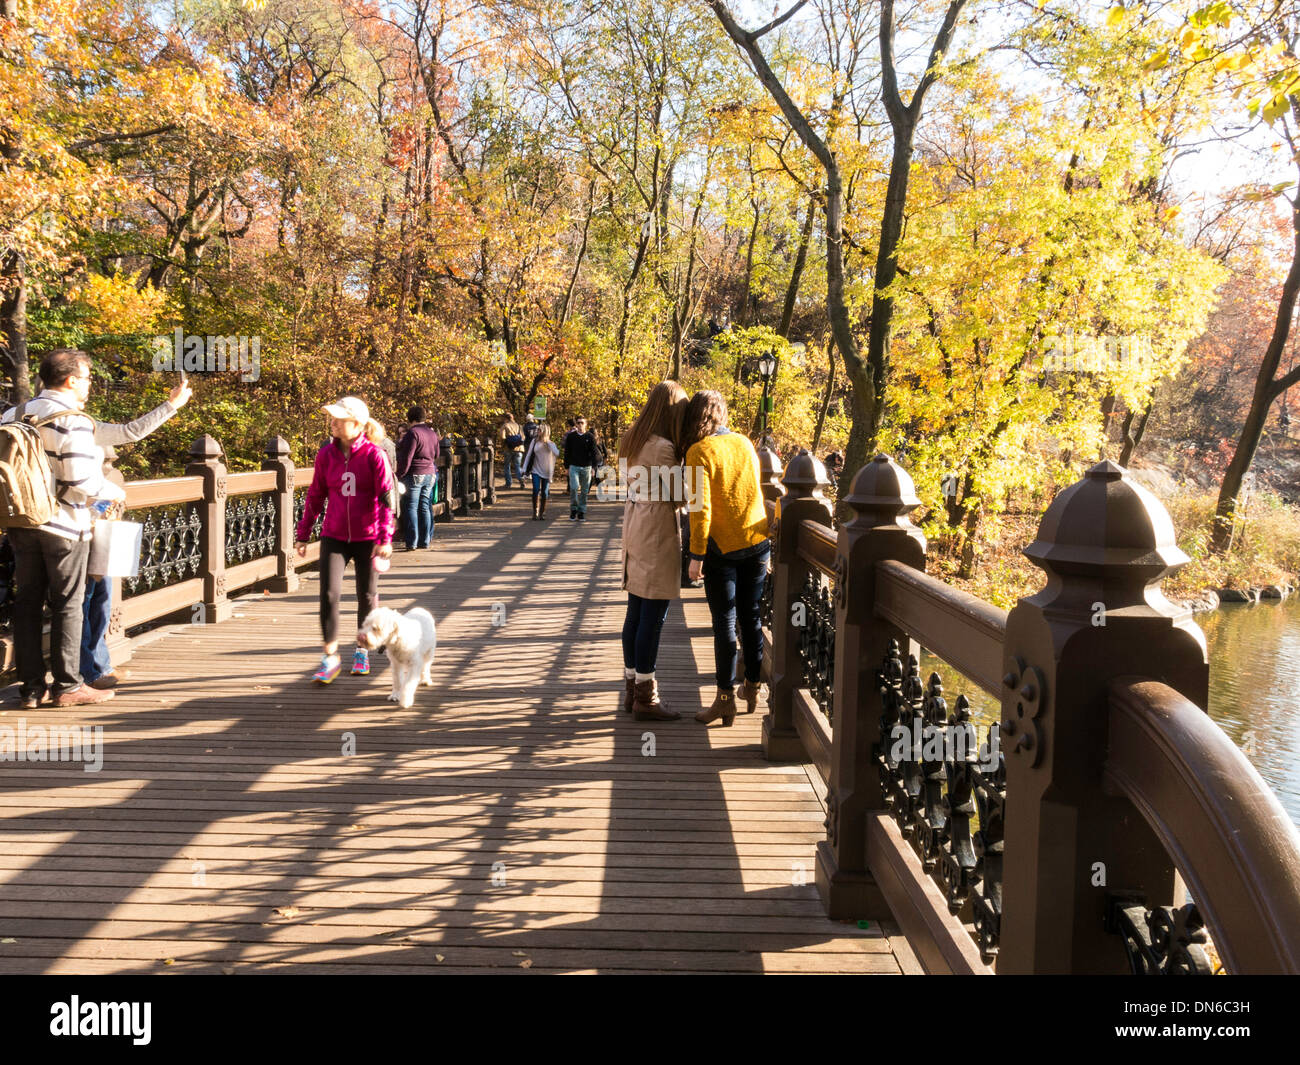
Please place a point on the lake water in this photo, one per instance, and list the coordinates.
(1254, 688)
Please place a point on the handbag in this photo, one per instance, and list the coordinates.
(115, 549)
(514, 440)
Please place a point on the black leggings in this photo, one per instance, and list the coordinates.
(334, 557)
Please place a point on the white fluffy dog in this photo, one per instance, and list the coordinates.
(410, 640)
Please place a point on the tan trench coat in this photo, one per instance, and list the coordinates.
(652, 534)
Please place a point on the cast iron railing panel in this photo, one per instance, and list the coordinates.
(170, 548)
(251, 523)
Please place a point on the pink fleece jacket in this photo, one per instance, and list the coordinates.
(352, 492)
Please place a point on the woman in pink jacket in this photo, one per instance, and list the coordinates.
(351, 483)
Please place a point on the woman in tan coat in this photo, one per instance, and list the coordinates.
(652, 545)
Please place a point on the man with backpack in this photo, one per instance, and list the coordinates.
(512, 447)
(54, 473)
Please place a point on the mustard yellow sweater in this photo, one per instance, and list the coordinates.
(728, 505)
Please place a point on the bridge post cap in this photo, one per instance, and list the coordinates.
(805, 477)
(277, 448)
(1106, 524)
(882, 489)
(205, 449)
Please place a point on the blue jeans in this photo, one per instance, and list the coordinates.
(641, 629)
(541, 486)
(579, 486)
(418, 508)
(513, 459)
(734, 587)
(95, 660)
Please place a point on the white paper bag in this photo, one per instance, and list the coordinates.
(115, 549)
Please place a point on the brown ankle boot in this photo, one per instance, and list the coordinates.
(646, 704)
(724, 706)
(629, 697)
(748, 692)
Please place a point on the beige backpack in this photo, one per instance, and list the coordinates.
(27, 497)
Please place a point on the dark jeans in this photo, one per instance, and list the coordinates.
(95, 660)
(418, 506)
(48, 568)
(334, 558)
(734, 587)
(641, 629)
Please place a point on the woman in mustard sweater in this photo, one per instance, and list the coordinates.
(729, 546)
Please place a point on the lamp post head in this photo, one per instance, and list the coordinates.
(767, 366)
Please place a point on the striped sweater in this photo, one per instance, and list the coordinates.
(76, 463)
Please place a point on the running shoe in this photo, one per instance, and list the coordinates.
(361, 662)
(329, 669)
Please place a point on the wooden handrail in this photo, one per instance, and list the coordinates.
(162, 491)
(240, 484)
(954, 625)
(1219, 821)
(817, 546)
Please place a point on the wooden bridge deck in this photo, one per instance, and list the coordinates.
(511, 821)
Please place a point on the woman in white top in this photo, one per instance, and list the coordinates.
(540, 462)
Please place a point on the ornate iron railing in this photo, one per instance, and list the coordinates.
(299, 506)
(251, 523)
(1094, 768)
(170, 547)
(817, 640)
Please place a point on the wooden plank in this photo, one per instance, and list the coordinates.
(148, 606)
(814, 731)
(246, 573)
(162, 491)
(222, 762)
(249, 482)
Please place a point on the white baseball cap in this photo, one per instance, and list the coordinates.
(349, 407)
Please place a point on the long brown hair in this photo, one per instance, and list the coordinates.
(705, 414)
(661, 416)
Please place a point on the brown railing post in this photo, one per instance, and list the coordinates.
(445, 478)
(881, 498)
(205, 462)
(277, 458)
(1105, 544)
(462, 457)
(489, 468)
(802, 501)
(475, 471)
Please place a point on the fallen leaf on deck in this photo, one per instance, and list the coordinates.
(228, 970)
(526, 963)
(10, 940)
(438, 956)
(287, 911)
(169, 961)
(520, 953)
(261, 687)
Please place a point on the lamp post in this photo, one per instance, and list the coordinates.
(767, 371)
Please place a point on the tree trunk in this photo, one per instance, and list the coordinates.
(826, 399)
(1267, 389)
(796, 274)
(13, 326)
(1132, 434)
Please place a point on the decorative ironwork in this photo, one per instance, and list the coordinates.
(458, 483)
(1023, 729)
(1166, 941)
(250, 527)
(170, 549)
(299, 505)
(817, 640)
(946, 793)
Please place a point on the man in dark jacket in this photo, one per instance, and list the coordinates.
(580, 456)
(417, 468)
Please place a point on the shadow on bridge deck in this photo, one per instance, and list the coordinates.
(512, 820)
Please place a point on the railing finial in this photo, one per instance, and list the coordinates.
(805, 477)
(882, 494)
